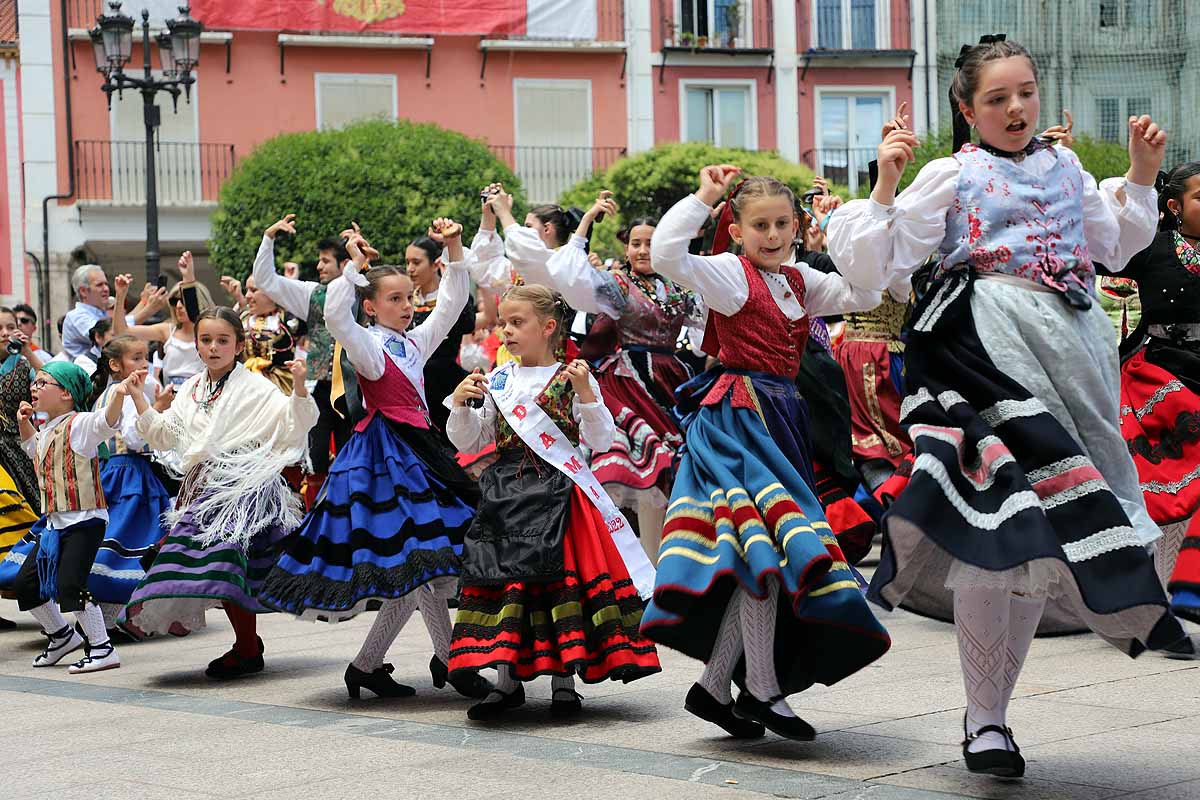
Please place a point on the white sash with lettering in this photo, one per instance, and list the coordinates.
(538, 431)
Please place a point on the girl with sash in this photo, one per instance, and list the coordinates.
(749, 565)
(54, 577)
(388, 525)
(1024, 509)
(639, 380)
(551, 573)
(233, 432)
(136, 497)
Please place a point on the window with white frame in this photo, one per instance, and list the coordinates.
(851, 24)
(1112, 113)
(345, 98)
(721, 113)
(848, 132)
(722, 22)
(552, 122)
(177, 150)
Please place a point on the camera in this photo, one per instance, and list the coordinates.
(14, 347)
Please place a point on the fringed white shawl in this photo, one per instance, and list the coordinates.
(241, 446)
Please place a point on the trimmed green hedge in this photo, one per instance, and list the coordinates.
(392, 178)
(649, 183)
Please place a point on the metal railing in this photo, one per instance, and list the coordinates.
(546, 172)
(189, 173)
(870, 25)
(696, 28)
(847, 166)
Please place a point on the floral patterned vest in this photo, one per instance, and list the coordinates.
(556, 401)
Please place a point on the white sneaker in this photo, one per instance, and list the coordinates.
(97, 659)
(61, 643)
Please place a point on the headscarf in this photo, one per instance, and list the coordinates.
(72, 378)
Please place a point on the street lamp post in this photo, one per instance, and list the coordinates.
(179, 51)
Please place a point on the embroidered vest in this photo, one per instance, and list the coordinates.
(555, 399)
(69, 481)
(760, 337)
(392, 395)
(882, 324)
(320, 342)
(1006, 219)
(644, 323)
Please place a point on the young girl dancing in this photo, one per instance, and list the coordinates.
(234, 433)
(136, 497)
(638, 381)
(546, 589)
(271, 332)
(54, 577)
(389, 522)
(1022, 487)
(1160, 386)
(749, 565)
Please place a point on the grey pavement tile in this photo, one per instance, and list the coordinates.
(128, 790)
(959, 782)
(846, 754)
(1174, 689)
(1133, 759)
(1188, 790)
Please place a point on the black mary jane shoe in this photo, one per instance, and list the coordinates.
(703, 705)
(232, 665)
(380, 682)
(491, 709)
(566, 703)
(470, 684)
(998, 762)
(750, 707)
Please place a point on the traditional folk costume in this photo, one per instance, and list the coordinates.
(749, 563)
(551, 571)
(54, 576)
(233, 438)
(1160, 406)
(271, 344)
(389, 523)
(305, 300)
(1022, 486)
(638, 381)
(19, 493)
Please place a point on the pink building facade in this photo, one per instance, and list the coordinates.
(559, 88)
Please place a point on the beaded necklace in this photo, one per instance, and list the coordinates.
(663, 293)
(214, 391)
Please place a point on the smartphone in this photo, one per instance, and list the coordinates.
(162, 281)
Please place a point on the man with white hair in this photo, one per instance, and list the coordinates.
(91, 294)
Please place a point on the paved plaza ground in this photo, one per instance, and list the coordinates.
(1092, 723)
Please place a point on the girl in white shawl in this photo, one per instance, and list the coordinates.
(234, 433)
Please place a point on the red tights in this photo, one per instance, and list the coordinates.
(245, 628)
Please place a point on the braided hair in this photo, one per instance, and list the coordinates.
(1172, 185)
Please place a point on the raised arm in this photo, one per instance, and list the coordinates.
(828, 293)
(874, 244)
(453, 291)
(289, 293)
(584, 287)
(719, 279)
(157, 332)
(358, 342)
(187, 286)
(1121, 218)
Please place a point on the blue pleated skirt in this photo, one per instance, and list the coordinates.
(744, 508)
(387, 522)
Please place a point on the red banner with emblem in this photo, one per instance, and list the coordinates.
(476, 17)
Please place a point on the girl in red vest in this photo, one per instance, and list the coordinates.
(749, 565)
(388, 525)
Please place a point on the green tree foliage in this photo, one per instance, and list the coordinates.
(649, 183)
(392, 178)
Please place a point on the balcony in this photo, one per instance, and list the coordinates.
(716, 27)
(867, 32)
(113, 173)
(547, 172)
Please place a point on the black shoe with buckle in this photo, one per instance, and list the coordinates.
(233, 665)
(491, 709)
(380, 682)
(468, 684)
(999, 762)
(565, 702)
(750, 707)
